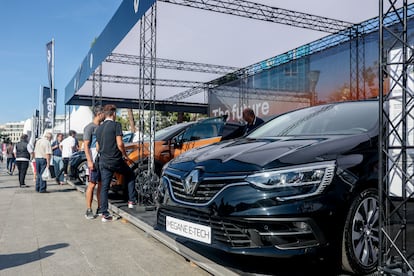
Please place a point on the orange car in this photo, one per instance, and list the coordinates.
(174, 140)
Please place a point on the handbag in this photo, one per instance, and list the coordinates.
(46, 175)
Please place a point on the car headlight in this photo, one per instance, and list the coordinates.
(296, 182)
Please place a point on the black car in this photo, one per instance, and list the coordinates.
(304, 183)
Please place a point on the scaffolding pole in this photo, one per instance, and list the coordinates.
(396, 145)
(146, 179)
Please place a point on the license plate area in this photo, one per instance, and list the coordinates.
(188, 229)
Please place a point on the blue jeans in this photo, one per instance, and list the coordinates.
(40, 168)
(107, 172)
(10, 162)
(58, 165)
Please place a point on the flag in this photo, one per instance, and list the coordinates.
(36, 124)
(49, 55)
(48, 115)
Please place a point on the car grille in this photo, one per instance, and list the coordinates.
(206, 190)
(222, 232)
(282, 234)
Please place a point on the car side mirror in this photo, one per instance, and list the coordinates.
(176, 143)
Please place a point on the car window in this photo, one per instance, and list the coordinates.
(127, 137)
(340, 118)
(203, 130)
(165, 133)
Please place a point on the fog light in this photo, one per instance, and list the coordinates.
(301, 225)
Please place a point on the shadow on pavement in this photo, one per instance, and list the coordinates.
(17, 259)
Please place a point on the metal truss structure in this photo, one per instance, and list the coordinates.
(147, 71)
(266, 13)
(148, 81)
(258, 12)
(179, 65)
(396, 145)
(187, 93)
(357, 61)
(353, 35)
(97, 86)
(172, 64)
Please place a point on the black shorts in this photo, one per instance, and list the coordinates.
(94, 176)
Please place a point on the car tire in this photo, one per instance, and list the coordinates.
(145, 185)
(360, 239)
(82, 172)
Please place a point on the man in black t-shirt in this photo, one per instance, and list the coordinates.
(112, 154)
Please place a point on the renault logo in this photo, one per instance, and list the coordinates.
(191, 182)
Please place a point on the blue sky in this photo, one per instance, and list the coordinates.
(26, 27)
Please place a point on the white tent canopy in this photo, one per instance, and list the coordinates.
(196, 35)
(77, 120)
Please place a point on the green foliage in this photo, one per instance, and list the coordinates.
(163, 119)
(124, 123)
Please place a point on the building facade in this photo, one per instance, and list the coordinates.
(13, 131)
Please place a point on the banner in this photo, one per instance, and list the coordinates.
(225, 101)
(49, 55)
(47, 106)
(36, 125)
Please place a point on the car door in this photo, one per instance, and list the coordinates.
(203, 133)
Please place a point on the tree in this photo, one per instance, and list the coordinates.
(131, 121)
(124, 122)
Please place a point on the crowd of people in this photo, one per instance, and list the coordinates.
(104, 151)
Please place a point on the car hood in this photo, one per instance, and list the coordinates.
(78, 154)
(246, 155)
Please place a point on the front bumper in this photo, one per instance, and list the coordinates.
(271, 237)
(260, 226)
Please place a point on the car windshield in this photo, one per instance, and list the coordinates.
(331, 119)
(164, 134)
(127, 137)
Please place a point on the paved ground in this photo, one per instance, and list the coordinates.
(47, 234)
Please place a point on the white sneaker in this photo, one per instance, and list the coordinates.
(131, 204)
(106, 218)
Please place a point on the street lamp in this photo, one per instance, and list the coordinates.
(313, 77)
